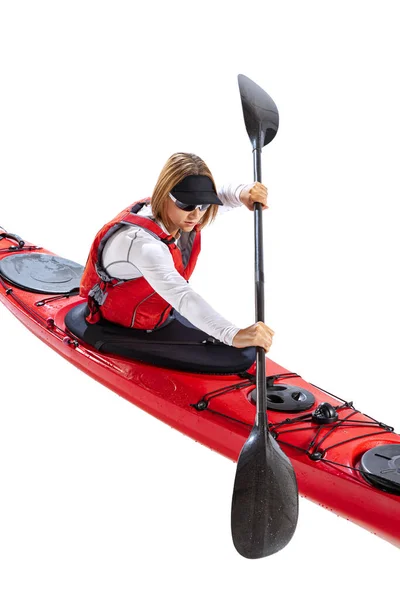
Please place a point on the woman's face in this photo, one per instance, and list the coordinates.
(181, 219)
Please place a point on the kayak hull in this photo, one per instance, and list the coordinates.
(222, 421)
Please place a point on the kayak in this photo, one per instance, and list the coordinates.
(344, 460)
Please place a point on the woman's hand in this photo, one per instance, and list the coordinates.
(254, 192)
(258, 334)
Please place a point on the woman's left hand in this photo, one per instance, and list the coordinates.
(254, 192)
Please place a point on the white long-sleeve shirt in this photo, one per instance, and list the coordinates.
(134, 252)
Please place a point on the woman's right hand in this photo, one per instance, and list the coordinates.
(258, 334)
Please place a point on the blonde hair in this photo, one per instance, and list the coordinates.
(178, 166)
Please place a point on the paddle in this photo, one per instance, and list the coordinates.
(265, 496)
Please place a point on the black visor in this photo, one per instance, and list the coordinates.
(196, 189)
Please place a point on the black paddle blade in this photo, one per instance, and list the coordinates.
(260, 112)
(265, 497)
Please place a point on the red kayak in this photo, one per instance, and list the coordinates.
(343, 459)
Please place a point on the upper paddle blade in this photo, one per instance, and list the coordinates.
(265, 497)
(260, 112)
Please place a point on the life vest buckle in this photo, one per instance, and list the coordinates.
(99, 295)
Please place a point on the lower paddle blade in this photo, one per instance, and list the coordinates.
(265, 497)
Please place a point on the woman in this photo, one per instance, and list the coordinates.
(138, 269)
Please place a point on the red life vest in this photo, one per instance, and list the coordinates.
(130, 302)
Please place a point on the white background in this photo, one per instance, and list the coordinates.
(98, 499)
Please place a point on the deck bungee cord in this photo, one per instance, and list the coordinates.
(314, 451)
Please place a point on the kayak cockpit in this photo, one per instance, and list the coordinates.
(173, 346)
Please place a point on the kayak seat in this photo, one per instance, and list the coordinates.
(177, 345)
(42, 273)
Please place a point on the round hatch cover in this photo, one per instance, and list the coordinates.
(43, 273)
(381, 467)
(286, 398)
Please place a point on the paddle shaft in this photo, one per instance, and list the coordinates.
(261, 418)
